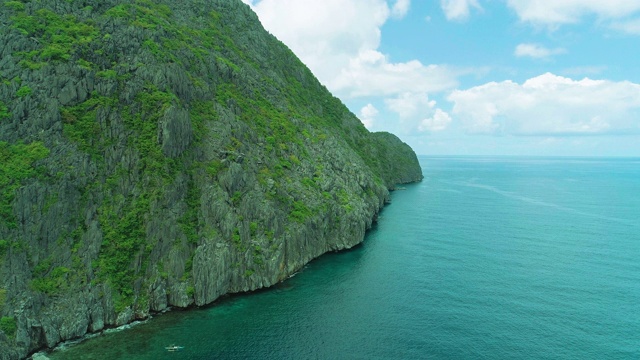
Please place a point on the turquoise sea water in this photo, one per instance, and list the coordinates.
(487, 258)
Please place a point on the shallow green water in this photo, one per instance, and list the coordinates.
(492, 258)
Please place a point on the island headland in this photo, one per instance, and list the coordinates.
(158, 154)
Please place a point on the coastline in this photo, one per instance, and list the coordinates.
(42, 354)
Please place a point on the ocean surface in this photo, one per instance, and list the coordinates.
(487, 258)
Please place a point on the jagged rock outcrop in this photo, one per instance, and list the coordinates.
(158, 154)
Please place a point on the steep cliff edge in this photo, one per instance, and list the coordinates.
(162, 153)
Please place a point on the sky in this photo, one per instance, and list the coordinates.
(477, 77)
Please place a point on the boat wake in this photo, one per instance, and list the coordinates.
(533, 201)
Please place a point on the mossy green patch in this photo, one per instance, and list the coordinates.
(9, 326)
(3, 298)
(80, 124)
(142, 13)
(144, 122)
(16, 165)
(300, 212)
(87, 65)
(4, 247)
(14, 5)
(58, 35)
(4, 111)
(24, 91)
(107, 74)
(124, 237)
(51, 281)
(189, 221)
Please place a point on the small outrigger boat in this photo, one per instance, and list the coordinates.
(174, 348)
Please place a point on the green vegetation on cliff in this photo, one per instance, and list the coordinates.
(8, 325)
(16, 165)
(161, 153)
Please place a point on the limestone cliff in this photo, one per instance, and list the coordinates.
(164, 153)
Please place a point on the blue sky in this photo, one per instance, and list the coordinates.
(477, 77)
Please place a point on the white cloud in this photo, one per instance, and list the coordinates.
(408, 105)
(371, 74)
(628, 26)
(536, 51)
(418, 113)
(438, 122)
(584, 70)
(368, 114)
(400, 8)
(325, 34)
(458, 10)
(559, 12)
(339, 40)
(549, 105)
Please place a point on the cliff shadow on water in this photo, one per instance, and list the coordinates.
(161, 154)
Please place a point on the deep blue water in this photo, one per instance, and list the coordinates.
(487, 258)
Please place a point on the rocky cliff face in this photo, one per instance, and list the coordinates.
(163, 153)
